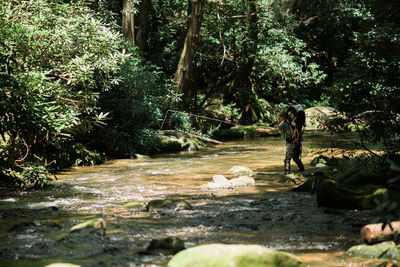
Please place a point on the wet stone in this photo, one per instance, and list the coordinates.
(219, 179)
(169, 245)
(168, 203)
(373, 251)
(97, 223)
(223, 255)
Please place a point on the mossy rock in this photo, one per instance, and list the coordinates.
(168, 203)
(97, 223)
(134, 205)
(193, 144)
(170, 144)
(374, 251)
(292, 178)
(223, 255)
(332, 194)
(310, 184)
(392, 253)
(306, 186)
(175, 141)
(169, 245)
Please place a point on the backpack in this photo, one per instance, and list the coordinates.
(301, 116)
(300, 122)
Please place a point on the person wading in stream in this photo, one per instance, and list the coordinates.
(292, 135)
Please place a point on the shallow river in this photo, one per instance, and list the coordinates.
(34, 225)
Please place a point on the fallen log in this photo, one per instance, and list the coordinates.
(373, 233)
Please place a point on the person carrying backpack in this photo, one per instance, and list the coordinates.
(292, 129)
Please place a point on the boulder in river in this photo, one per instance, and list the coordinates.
(242, 181)
(97, 223)
(168, 203)
(221, 182)
(238, 171)
(134, 205)
(219, 179)
(169, 245)
(316, 116)
(385, 250)
(224, 255)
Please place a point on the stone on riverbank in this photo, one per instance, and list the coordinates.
(97, 223)
(310, 184)
(168, 203)
(238, 171)
(385, 250)
(323, 161)
(223, 255)
(332, 194)
(292, 178)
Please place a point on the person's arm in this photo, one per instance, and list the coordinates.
(268, 131)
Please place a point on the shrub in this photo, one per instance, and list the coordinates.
(55, 61)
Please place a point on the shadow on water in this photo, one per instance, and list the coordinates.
(34, 226)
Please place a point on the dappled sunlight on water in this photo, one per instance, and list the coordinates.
(268, 213)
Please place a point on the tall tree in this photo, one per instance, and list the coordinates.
(128, 20)
(185, 66)
(142, 25)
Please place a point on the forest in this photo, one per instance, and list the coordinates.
(83, 82)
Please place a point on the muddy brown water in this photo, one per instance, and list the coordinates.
(34, 225)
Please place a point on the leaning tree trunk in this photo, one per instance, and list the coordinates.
(142, 25)
(185, 66)
(128, 21)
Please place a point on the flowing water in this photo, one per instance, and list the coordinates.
(34, 225)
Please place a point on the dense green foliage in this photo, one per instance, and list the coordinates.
(73, 91)
(57, 61)
(366, 87)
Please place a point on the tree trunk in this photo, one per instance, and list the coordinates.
(142, 25)
(373, 233)
(128, 21)
(242, 83)
(183, 72)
